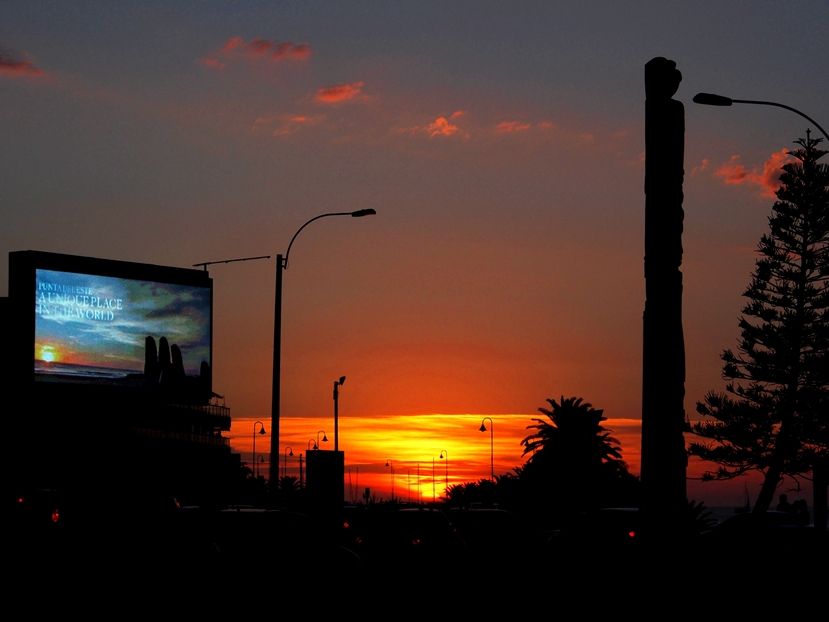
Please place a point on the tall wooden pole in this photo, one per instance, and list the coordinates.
(664, 459)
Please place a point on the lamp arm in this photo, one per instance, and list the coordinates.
(794, 110)
(288, 252)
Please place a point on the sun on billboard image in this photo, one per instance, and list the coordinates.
(94, 328)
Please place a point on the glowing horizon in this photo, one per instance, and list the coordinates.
(410, 442)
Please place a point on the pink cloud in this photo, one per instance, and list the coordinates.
(256, 50)
(703, 166)
(12, 66)
(442, 126)
(767, 179)
(511, 127)
(286, 124)
(339, 93)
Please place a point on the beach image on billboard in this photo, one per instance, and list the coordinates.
(94, 328)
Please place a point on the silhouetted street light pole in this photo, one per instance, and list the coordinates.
(261, 431)
(288, 452)
(282, 264)
(337, 385)
(312, 444)
(445, 455)
(324, 439)
(391, 476)
(434, 497)
(820, 475)
(491, 445)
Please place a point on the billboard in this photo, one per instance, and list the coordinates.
(116, 323)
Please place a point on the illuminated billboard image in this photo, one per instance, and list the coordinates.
(94, 328)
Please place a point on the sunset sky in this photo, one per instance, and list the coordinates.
(500, 143)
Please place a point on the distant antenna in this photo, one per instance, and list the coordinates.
(204, 264)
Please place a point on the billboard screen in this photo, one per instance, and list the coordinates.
(94, 328)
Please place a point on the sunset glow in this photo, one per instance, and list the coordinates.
(503, 152)
(410, 442)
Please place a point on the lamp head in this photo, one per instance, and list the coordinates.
(709, 99)
(363, 212)
(387, 463)
(482, 428)
(262, 430)
(324, 438)
(341, 381)
(290, 451)
(441, 455)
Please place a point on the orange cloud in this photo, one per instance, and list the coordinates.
(511, 127)
(767, 179)
(441, 126)
(339, 93)
(256, 50)
(13, 67)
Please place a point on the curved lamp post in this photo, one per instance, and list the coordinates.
(337, 385)
(444, 455)
(324, 439)
(282, 264)
(288, 452)
(261, 431)
(312, 444)
(491, 445)
(710, 99)
(391, 476)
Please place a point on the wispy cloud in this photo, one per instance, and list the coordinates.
(255, 50)
(339, 93)
(12, 65)
(512, 127)
(703, 166)
(522, 126)
(442, 126)
(286, 124)
(765, 178)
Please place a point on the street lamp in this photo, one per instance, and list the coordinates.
(491, 445)
(261, 431)
(391, 476)
(444, 455)
(312, 444)
(337, 385)
(709, 99)
(324, 439)
(288, 452)
(282, 264)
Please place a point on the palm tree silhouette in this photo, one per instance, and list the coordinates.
(573, 457)
(573, 431)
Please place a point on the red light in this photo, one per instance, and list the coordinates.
(346, 525)
(417, 541)
(55, 516)
(21, 500)
(631, 534)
